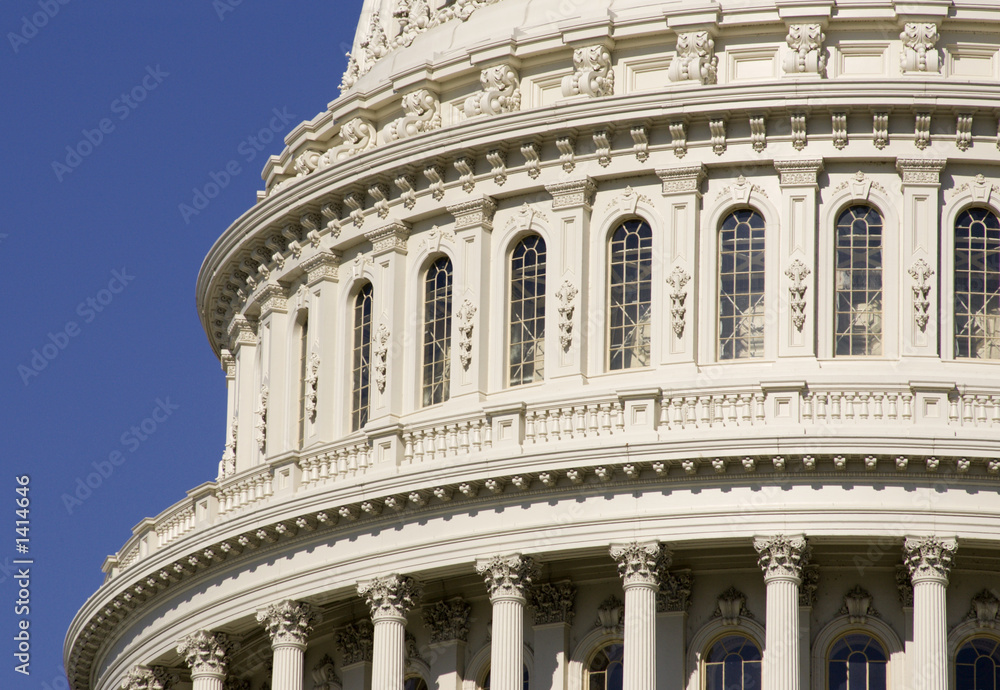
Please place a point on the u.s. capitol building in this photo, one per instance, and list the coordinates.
(601, 345)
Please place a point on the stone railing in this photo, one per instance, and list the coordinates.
(245, 489)
(343, 461)
(580, 420)
(175, 524)
(451, 440)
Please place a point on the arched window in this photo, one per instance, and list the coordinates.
(361, 366)
(977, 284)
(977, 665)
(437, 332)
(857, 662)
(303, 375)
(485, 684)
(733, 663)
(414, 682)
(859, 282)
(527, 311)
(630, 266)
(741, 285)
(605, 669)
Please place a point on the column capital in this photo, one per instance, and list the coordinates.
(448, 621)
(929, 559)
(389, 238)
(228, 363)
(288, 622)
(389, 597)
(573, 193)
(356, 642)
(507, 577)
(553, 602)
(782, 556)
(147, 678)
(799, 172)
(323, 265)
(272, 298)
(205, 653)
(675, 591)
(477, 212)
(682, 180)
(921, 171)
(241, 332)
(639, 563)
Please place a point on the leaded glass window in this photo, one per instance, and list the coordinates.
(527, 311)
(857, 662)
(977, 665)
(733, 663)
(977, 284)
(361, 365)
(741, 285)
(859, 282)
(605, 671)
(630, 295)
(303, 374)
(437, 332)
(414, 683)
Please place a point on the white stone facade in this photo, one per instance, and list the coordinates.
(758, 400)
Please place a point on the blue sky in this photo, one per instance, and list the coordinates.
(113, 114)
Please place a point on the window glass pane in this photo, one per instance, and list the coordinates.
(437, 332)
(733, 663)
(361, 363)
(741, 285)
(527, 311)
(858, 280)
(977, 284)
(304, 386)
(857, 662)
(629, 291)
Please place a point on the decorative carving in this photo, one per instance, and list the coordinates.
(858, 605)
(675, 591)
(609, 615)
(228, 464)
(147, 678)
(359, 135)
(640, 563)
(324, 675)
(435, 175)
(922, 131)
(921, 170)
(839, 130)
(331, 214)
(809, 584)
(391, 596)
(507, 576)
(640, 142)
(573, 194)
(602, 146)
(919, 53)
(567, 152)
(288, 622)
(448, 620)
(921, 272)
(312, 384)
(929, 558)
(985, 606)
(678, 136)
(798, 131)
(466, 315)
(592, 75)
(880, 130)
(532, 153)
(628, 201)
(566, 295)
(963, 131)
(356, 202)
(389, 237)
(718, 131)
(498, 159)
(379, 191)
(501, 93)
(904, 585)
(466, 168)
(205, 652)
(406, 183)
(731, 607)
(356, 642)
(423, 114)
(381, 356)
(798, 171)
(797, 272)
(741, 191)
(686, 180)
(677, 280)
(552, 602)
(475, 212)
(261, 426)
(758, 134)
(782, 556)
(695, 58)
(807, 56)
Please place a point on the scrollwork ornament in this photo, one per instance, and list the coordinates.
(695, 59)
(592, 75)
(807, 56)
(797, 272)
(261, 425)
(422, 114)
(324, 675)
(984, 609)
(677, 280)
(466, 316)
(675, 591)
(501, 93)
(566, 295)
(312, 385)
(782, 556)
(919, 53)
(921, 272)
(381, 356)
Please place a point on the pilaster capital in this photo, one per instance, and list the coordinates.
(205, 652)
(241, 332)
(799, 172)
(288, 622)
(389, 238)
(476, 212)
(507, 577)
(228, 363)
(921, 171)
(147, 678)
(389, 597)
(272, 298)
(675, 591)
(929, 559)
(553, 602)
(782, 556)
(682, 180)
(356, 642)
(639, 563)
(323, 265)
(448, 621)
(573, 194)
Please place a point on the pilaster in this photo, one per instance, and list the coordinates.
(929, 561)
(782, 558)
(243, 345)
(671, 629)
(795, 251)
(206, 654)
(273, 332)
(326, 327)
(356, 645)
(567, 276)
(553, 608)
(448, 624)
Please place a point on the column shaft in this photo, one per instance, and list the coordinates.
(288, 663)
(930, 667)
(507, 647)
(389, 653)
(640, 637)
(208, 681)
(781, 669)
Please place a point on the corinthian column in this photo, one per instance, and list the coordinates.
(638, 565)
(929, 562)
(147, 678)
(288, 624)
(781, 558)
(507, 579)
(389, 598)
(205, 653)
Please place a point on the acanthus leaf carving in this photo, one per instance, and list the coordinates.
(782, 556)
(448, 620)
(356, 642)
(261, 424)
(423, 114)
(731, 606)
(640, 563)
(984, 609)
(678, 280)
(148, 678)
(205, 652)
(929, 558)
(507, 576)
(288, 622)
(592, 75)
(312, 383)
(695, 59)
(919, 53)
(391, 596)
(500, 94)
(858, 605)
(552, 602)
(921, 273)
(609, 615)
(675, 591)
(807, 56)
(466, 316)
(797, 272)
(227, 466)
(324, 675)
(566, 295)
(381, 356)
